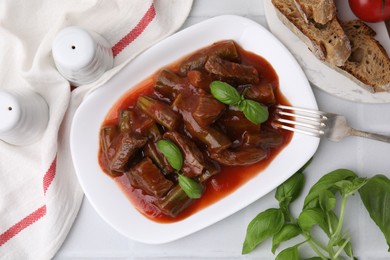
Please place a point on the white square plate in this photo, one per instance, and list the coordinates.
(104, 194)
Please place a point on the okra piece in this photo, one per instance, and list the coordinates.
(161, 112)
(211, 169)
(214, 139)
(154, 133)
(107, 134)
(126, 117)
(174, 202)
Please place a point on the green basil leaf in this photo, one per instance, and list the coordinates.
(172, 153)
(225, 93)
(254, 111)
(290, 253)
(376, 198)
(310, 217)
(191, 187)
(262, 227)
(290, 189)
(327, 200)
(287, 232)
(314, 258)
(324, 183)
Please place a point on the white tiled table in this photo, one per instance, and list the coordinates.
(91, 238)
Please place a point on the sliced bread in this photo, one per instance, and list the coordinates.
(369, 64)
(328, 42)
(320, 11)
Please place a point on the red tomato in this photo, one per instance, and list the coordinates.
(371, 10)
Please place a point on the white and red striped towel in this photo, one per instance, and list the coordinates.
(39, 192)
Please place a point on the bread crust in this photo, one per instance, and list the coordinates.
(320, 11)
(369, 64)
(328, 42)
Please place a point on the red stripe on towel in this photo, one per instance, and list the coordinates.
(37, 214)
(27, 221)
(135, 32)
(49, 176)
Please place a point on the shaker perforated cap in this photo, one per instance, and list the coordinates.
(73, 49)
(81, 56)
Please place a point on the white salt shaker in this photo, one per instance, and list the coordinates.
(24, 116)
(81, 56)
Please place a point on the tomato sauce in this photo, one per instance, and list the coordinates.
(230, 178)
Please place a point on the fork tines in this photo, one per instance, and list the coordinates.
(301, 120)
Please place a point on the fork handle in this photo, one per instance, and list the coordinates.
(378, 137)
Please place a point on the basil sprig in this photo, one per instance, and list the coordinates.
(319, 210)
(225, 93)
(174, 157)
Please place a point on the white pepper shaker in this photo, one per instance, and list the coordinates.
(24, 116)
(81, 56)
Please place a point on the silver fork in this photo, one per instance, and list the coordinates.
(317, 123)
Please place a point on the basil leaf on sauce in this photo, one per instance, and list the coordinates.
(191, 187)
(172, 153)
(225, 93)
(254, 111)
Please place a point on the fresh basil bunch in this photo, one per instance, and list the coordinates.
(174, 157)
(225, 93)
(320, 210)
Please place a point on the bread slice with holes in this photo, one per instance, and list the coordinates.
(319, 11)
(368, 64)
(327, 41)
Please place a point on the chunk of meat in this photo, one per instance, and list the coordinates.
(239, 157)
(122, 149)
(266, 138)
(232, 71)
(169, 84)
(263, 93)
(199, 80)
(206, 109)
(146, 176)
(235, 124)
(224, 49)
